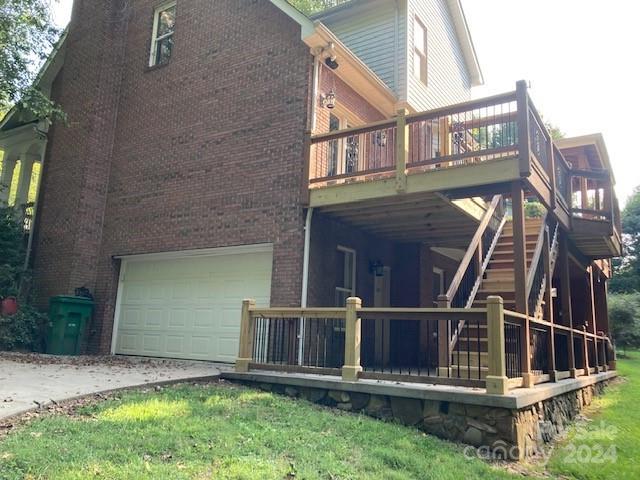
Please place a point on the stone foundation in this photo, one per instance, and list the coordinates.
(509, 433)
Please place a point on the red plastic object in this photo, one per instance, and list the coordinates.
(9, 306)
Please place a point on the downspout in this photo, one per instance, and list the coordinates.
(305, 279)
(314, 92)
(307, 223)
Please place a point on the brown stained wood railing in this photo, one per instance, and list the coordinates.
(468, 132)
(339, 341)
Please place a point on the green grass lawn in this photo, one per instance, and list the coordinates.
(226, 432)
(230, 432)
(608, 445)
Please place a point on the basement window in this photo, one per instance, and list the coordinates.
(420, 51)
(164, 22)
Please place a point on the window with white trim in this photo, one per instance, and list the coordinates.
(164, 22)
(345, 275)
(420, 51)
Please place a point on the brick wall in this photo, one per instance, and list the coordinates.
(346, 97)
(204, 152)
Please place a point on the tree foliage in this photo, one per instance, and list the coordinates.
(11, 251)
(624, 315)
(27, 36)
(310, 7)
(627, 268)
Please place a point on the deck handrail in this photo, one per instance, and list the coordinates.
(462, 107)
(268, 333)
(537, 254)
(471, 250)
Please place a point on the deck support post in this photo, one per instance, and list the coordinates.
(565, 299)
(594, 327)
(444, 337)
(402, 150)
(520, 279)
(246, 337)
(548, 300)
(426, 296)
(352, 338)
(497, 381)
(585, 345)
(524, 156)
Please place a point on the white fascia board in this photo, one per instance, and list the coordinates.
(595, 139)
(354, 72)
(47, 72)
(306, 25)
(466, 43)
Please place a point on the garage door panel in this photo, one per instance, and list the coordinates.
(175, 345)
(177, 318)
(204, 319)
(227, 348)
(154, 318)
(152, 343)
(131, 317)
(189, 307)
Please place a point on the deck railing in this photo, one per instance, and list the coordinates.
(405, 344)
(470, 132)
(501, 126)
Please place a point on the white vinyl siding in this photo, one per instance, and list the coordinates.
(449, 80)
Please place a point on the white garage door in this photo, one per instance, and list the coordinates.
(189, 307)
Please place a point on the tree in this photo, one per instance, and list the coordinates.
(556, 133)
(310, 7)
(27, 36)
(624, 313)
(627, 268)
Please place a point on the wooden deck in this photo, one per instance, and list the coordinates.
(474, 149)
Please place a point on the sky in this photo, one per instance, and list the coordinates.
(579, 56)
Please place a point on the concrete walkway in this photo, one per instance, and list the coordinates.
(27, 379)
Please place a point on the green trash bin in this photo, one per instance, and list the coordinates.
(68, 319)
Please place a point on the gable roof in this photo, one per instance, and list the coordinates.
(46, 75)
(459, 22)
(352, 69)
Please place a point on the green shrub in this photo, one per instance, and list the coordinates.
(624, 315)
(22, 331)
(534, 210)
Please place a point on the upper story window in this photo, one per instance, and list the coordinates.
(420, 51)
(164, 23)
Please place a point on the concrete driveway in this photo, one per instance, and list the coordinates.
(28, 381)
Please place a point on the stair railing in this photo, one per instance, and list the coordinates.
(467, 279)
(537, 277)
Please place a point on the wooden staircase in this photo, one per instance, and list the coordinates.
(470, 350)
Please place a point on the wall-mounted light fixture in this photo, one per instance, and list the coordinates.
(329, 55)
(376, 268)
(328, 100)
(332, 63)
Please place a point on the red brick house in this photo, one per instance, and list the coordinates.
(224, 150)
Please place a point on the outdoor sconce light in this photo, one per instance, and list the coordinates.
(328, 100)
(332, 63)
(377, 268)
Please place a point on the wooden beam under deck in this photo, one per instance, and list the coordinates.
(430, 181)
(415, 218)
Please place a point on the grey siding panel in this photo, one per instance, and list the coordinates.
(371, 35)
(448, 78)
